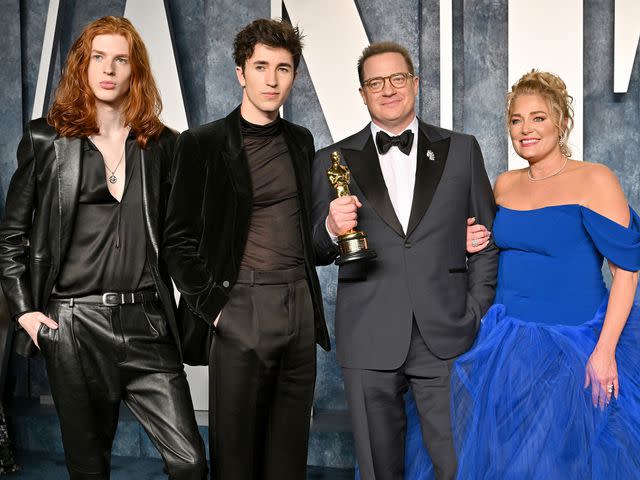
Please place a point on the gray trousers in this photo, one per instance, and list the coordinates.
(376, 410)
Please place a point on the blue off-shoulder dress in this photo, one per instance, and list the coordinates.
(519, 406)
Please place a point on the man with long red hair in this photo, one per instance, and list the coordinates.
(79, 258)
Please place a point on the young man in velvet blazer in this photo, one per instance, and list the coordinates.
(238, 245)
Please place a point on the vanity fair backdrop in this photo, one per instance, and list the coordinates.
(478, 39)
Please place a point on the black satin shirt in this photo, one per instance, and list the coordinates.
(107, 252)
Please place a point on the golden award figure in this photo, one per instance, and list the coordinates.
(352, 244)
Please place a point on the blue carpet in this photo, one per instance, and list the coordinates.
(41, 466)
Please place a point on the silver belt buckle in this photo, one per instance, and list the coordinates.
(114, 302)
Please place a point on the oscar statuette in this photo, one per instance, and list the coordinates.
(352, 244)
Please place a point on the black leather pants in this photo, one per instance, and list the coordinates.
(262, 374)
(101, 355)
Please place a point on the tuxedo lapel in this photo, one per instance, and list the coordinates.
(432, 158)
(365, 169)
(68, 159)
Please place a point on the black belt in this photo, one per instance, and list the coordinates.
(113, 299)
(272, 277)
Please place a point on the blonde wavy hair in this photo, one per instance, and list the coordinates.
(553, 89)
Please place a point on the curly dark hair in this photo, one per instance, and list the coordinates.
(273, 33)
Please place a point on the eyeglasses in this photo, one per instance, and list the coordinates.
(397, 80)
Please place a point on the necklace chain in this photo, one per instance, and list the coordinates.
(112, 177)
(564, 164)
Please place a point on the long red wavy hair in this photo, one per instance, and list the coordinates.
(73, 113)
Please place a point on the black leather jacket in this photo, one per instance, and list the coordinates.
(209, 211)
(40, 214)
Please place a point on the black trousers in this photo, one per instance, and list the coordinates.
(376, 410)
(101, 355)
(262, 374)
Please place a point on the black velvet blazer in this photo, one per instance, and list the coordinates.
(40, 214)
(209, 211)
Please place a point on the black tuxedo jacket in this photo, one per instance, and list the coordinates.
(423, 272)
(209, 212)
(40, 213)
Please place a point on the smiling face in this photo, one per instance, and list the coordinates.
(109, 71)
(533, 130)
(392, 108)
(267, 78)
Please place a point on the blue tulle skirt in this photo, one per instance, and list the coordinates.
(520, 409)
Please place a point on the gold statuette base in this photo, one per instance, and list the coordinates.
(353, 248)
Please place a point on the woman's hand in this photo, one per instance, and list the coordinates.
(602, 375)
(477, 236)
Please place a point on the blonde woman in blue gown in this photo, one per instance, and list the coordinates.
(551, 387)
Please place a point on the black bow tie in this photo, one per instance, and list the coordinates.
(404, 142)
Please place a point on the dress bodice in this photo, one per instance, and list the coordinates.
(550, 268)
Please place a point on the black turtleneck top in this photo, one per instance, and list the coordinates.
(274, 241)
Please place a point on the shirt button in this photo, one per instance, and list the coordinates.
(225, 284)
(407, 244)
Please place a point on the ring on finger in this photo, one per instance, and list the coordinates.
(474, 243)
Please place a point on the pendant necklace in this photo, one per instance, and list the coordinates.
(112, 178)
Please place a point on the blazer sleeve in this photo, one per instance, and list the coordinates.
(322, 194)
(184, 230)
(15, 230)
(482, 266)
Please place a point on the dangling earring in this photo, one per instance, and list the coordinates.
(563, 147)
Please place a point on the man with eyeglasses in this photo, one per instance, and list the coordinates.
(403, 318)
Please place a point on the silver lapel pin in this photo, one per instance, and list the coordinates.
(431, 156)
